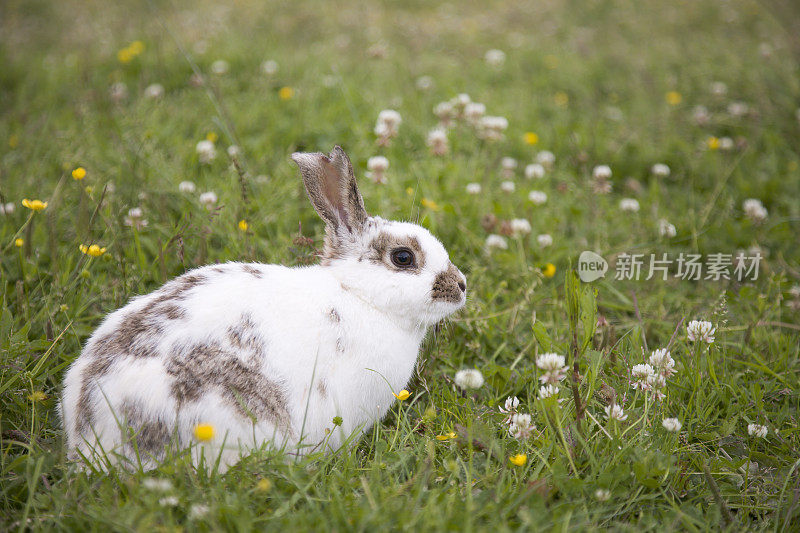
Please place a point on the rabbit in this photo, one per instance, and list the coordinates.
(300, 359)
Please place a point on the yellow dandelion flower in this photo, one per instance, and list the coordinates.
(125, 55)
(204, 432)
(402, 395)
(243, 225)
(430, 204)
(212, 136)
(34, 205)
(264, 485)
(18, 242)
(713, 143)
(518, 460)
(410, 191)
(549, 270)
(13, 141)
(63, 307)
(531, 138)
(136, 47)
(674, 98)
(92, 250)
(79, 173)
(285, 93)
(446, 436)
(37, 396)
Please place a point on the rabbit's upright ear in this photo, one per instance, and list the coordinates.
(331, 187)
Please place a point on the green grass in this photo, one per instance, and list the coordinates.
(591, 79)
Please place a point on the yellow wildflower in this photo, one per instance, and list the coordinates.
(37, 396)
(674, 98)
(531, 138)
(402, 395)
(89, 189)
(63, 307)
(136, 47)
(35, 205)
(446, 436)
(212, 136)
(430, 204)
(92, 250)
(264, 485)
(79, 173)
(18, 242)
(518, 460)
(549, 270)
(713, 143)
(204, 432)
(410, 191)
(561, 99)
(125, 55)
(243, 225)
(285, 93)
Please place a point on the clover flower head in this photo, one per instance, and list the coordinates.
(630, 205)
(537, 197)
(546, 391)
(665, 229)
(437, 141)
(554, 367)
(520, 226)
(186, 186)
(208, 199)
(662, 362)
(754, 210)
(601, 172)
(473, 188)
(469, 378)
(660, 170)
(521, 426)
(757, 430)
(673, 425)
(206, 151)
(544, 240)
(508, 186)
(546, 158)
(495, 58)
(497, 242)
(700, 331)
(534, 171)
(615, 412)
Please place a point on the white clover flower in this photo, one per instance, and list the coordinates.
(495, 58)
(534, 170)
(424, 83)
(474, 111)
(521, 426)
(508, 163)
(473, 188)
(437, 141)
(445, 112)
(673, 425)
(738, 109)
(154, 91)
(508, 186)
(134, 218)
(754, 210)
(520, 226)
(496, 242)
(662, 362)
(391, 118)
(546, 158)
(794, 292)
(726, 144)
(602, 172)
(546, 391)
(118, 92)
(630, 205)
(220, 67)
(186, 186)
(168, 501)
(234, 151)
(665, 229)
(554, 368)
(700, 115)
(660, 170)
(757, 430)
(208, 199)
(509, 408)
(8, 208)
(269, 67)
(469, 378)
(197, 511)
(544, 240)
(640, 376)
(157, 484)
(537, 197)
(602, 495)
(718, 88)
(615, 412)
(461, 101)
(700, 331)
(377, 166)
(656, 384)
(491, 128)
(206, 152)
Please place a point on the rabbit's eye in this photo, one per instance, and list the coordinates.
(403, 258)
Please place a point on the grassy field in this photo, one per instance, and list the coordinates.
(126, 91)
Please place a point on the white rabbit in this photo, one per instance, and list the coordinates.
(265, 353)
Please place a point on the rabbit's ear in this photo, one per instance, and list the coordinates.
(331, 187)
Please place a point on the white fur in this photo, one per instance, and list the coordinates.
(383, 318)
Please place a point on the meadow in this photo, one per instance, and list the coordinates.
(140, 140)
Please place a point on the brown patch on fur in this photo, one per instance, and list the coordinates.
(382, 246)
(322, 388)
(152, 435)
(245, 338)
(333, 315)
(448, 285)
(203, 367)
(218, 270)
(253, 271)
